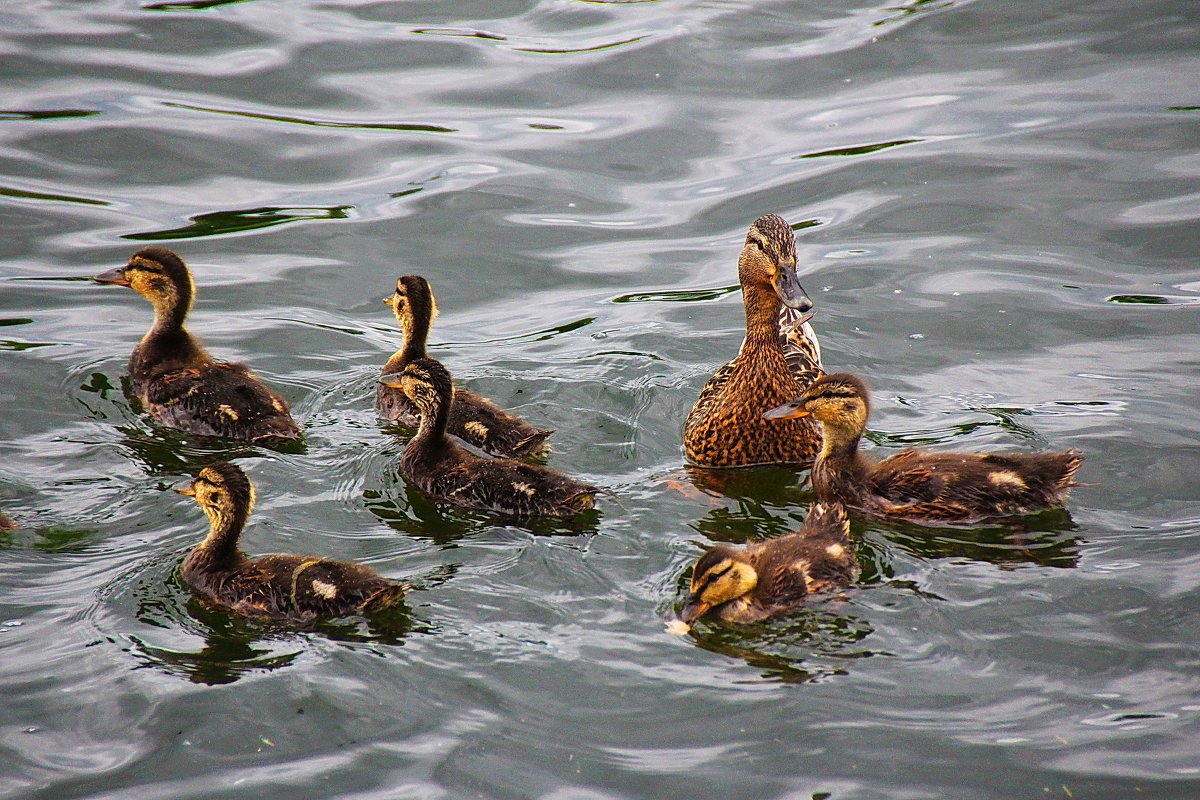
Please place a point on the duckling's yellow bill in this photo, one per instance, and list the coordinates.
(115, 277)
(188, 489)
(792, 410)
(392, 381)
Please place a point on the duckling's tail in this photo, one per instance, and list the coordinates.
(386, 597)
(533, 445)
(828, 519)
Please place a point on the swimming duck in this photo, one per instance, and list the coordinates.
(283, 587)
(915, 485)
(473, 419)
(778, 358)
(749, 584)
(177, 381)
(438, 466)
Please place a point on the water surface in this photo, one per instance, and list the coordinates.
(996, 209)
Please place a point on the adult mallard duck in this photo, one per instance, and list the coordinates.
(177, 381)
(751, 583)
(915, 485)
(439, 467)
(473, 418)
(778, 358)
(283, 587)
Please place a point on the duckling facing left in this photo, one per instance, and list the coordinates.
(914, 485)
(751, 583)
(473, 418)
(283, 587)
(447, 471)
(177, 381)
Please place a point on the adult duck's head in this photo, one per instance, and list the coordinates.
(769, 259)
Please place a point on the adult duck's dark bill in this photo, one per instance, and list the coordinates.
(788, 287)
(115, 277)
(792, 410)
(693, 609)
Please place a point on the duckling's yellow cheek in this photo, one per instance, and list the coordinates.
(477, 428)
(227, 411)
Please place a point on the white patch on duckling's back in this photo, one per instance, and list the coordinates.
(835, 550)
(1006, 478)
(326, 590)
(528, 490)
(227, 411)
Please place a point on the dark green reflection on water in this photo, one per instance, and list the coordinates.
(677, 295)
(1154, 299)
(405, 508)
(408, 127)
(861, 150)
(54, 113)
(195, 5)
(811, 644)
(6, 191)
(1043, 539)
(230, 650)
(219, 223)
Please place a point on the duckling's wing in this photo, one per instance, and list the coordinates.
(907, 477)
(219, 399)
(481, 422)
(800, 346)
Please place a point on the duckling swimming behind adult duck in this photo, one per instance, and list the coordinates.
(283, 587)
(915, 485)
(749, 584)
(778, 358)
(473, 419)
(177, 381)
(449, 472)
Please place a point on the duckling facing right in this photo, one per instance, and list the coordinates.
(914, 485)
(760, 580)
(473, 418)
(441, 468)
(177, 381)
(282, 587)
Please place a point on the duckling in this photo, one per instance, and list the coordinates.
(6, 524)
(283, 587)
(778, 358)
(473, 418)
(914, 485)
(449, 472)
(751, 583)
(177, 381)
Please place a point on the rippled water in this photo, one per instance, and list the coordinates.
(997, 210)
